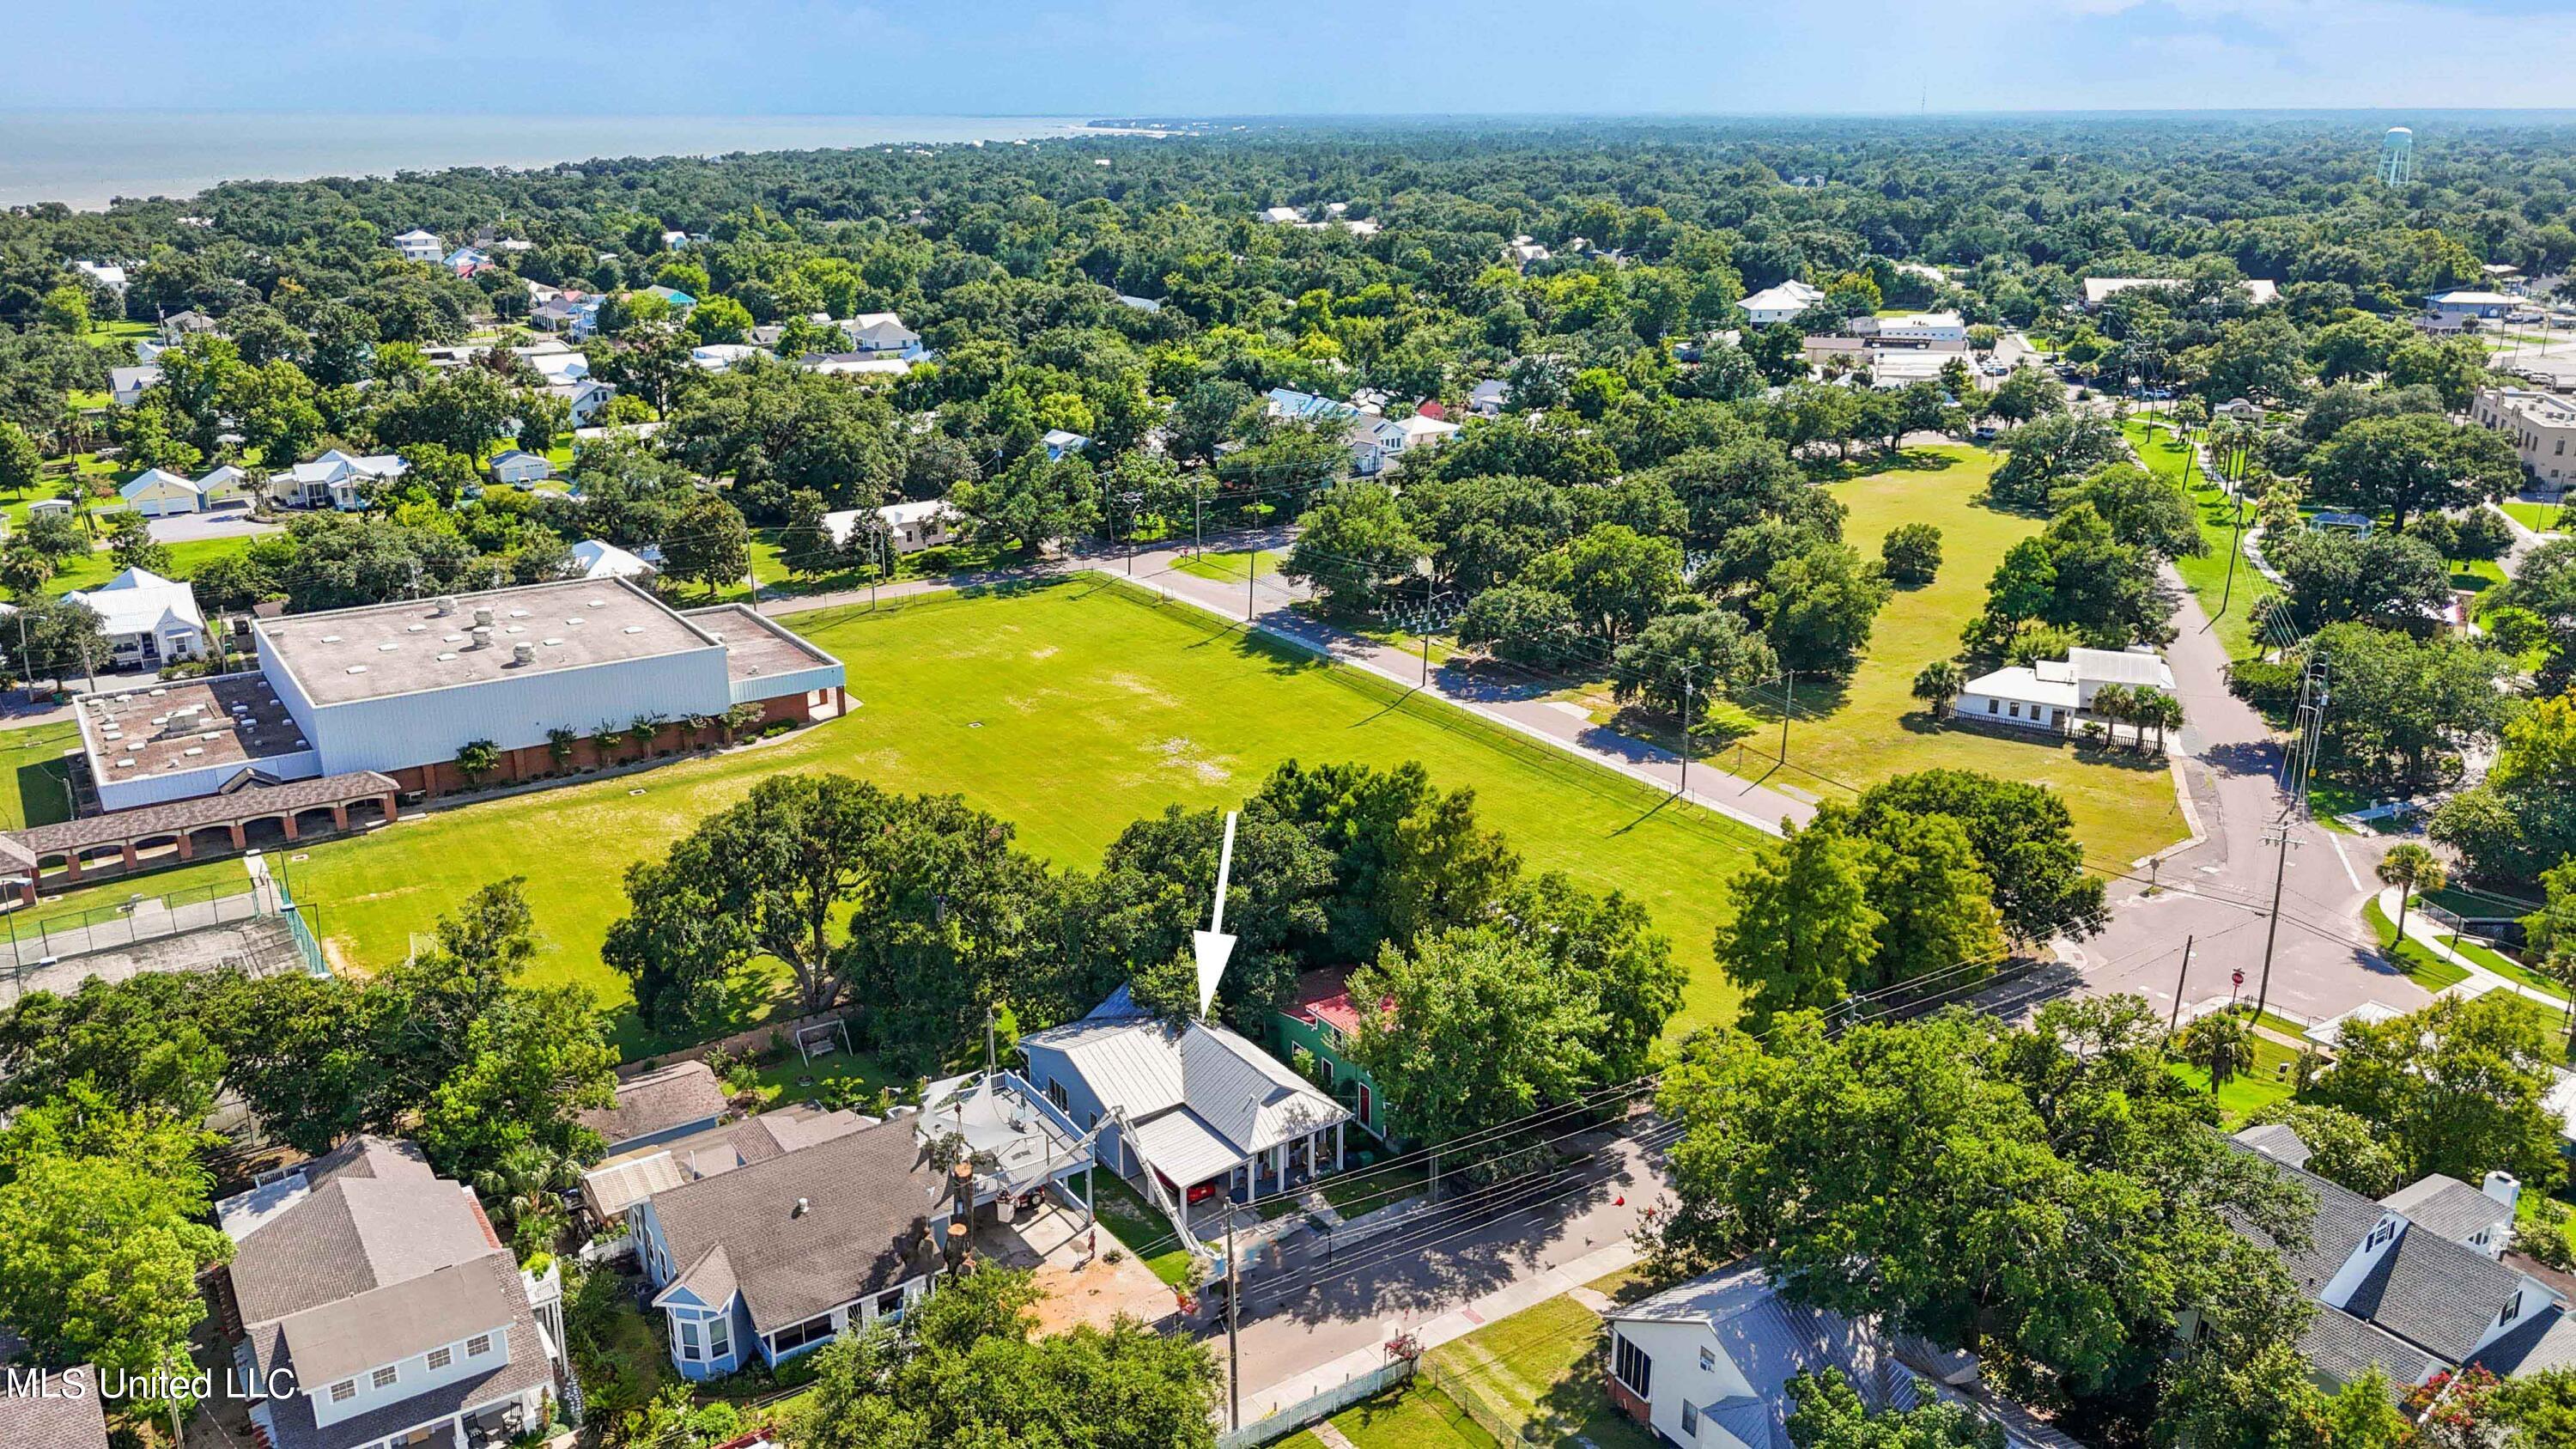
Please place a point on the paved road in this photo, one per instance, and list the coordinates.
(1301, 1318)
(2325, 961)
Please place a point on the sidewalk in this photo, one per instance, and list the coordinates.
(1443, 1328)
(2428, 934)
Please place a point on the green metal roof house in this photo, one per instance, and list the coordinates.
(1320, 1019)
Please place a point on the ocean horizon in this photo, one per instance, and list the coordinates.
(87, 158)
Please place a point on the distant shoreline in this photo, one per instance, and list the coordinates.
(85, 159)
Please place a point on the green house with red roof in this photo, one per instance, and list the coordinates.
(1320, 1020)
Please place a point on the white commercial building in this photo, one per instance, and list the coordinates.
(2054, 694)
(2098, 290)
(1782, 303)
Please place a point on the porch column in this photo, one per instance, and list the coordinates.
(390, 805)
(1337, 1147)
(840, 699)
(72, 864)
(187, 845)
(1090, 1215)
(239, 842)
(127, 849)
(289, 819)
(340, 817)
(27, 890)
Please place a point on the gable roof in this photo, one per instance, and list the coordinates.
(139, 601)
(865, 1227)
(668, 1097)
(1145, 1067)
(353, 1235)
(2276, 1140)
(2336, 1226)
(2448, 1207)
(2436, 1293)
(151, 478)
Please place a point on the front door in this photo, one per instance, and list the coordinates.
(1368, 1118)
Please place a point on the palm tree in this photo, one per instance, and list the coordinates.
(2152, 706)
(2221, 1043)
(2410, 868)
(1938, 683)
(2115, 703)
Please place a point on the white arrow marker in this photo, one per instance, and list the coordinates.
(1214, 945)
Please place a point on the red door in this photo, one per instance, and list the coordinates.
(1366, 1119)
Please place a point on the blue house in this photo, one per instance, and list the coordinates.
(776, 1258)
(1206, 1111)
(680, 301)
(1061, 444)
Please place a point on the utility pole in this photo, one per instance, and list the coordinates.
(1789, 702)
(2179, 978)
(1426, 625)
(1686, 733)
(1195, 535)
(1233, 1348)
(2312, 702)
(1251, 568)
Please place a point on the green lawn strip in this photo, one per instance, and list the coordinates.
(1139, 1224)
(2503, 965)
(92, 569)
(2418, 962)
(1540, 1369)
(40, 776)
(2538, 517)
(1069, 710)
(1845, 736)
(2207, 574)
(1416, 1416)
(2241, 1098)
(1226, 566)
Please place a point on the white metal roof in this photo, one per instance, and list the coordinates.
(1184, 1149)
(2024, 685)
(2120, 666)
(139, 601)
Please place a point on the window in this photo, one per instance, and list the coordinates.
(890, 1303)
(385, 1377)
(2381, 1234)
(1631, 1366)
(686, 1329)
(1055, 1094)
(440, 1358)
(812, 1330)
(1991, 706)
(1690, 1421)
(343, 1391)
(2512, 1310)
(479, 1345)
(1708, 1359)
(719, 1338)
(2016, 709)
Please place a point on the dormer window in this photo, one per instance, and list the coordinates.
(343, 1391)
(385, 1377)
(2386, 1230)
(440, 1358)
(2512, 1311)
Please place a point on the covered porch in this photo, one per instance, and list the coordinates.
(235, 819)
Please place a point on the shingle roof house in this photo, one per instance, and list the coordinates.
(1709, 1363)
(660, 1104)
(2403, 1293)
(776, 1257)
(382, 1288)
(58, 1411)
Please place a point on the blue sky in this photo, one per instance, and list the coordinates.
(1192, 57)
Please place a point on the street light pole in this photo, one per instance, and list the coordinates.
(1686, 733)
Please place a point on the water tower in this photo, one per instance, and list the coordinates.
(2397, 157)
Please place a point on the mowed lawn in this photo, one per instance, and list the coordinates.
(2207, 575)
(1069, 710)
(38, 777)
(1848, 736)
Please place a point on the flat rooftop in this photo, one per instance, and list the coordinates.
(413, 645)
(754, 647)
(231, 719)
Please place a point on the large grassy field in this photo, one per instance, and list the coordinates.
(1069, 710)
(1870, 727)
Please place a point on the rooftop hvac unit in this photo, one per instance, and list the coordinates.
(482, 617)
(482, 636)
(523, 653)
(446, 605)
